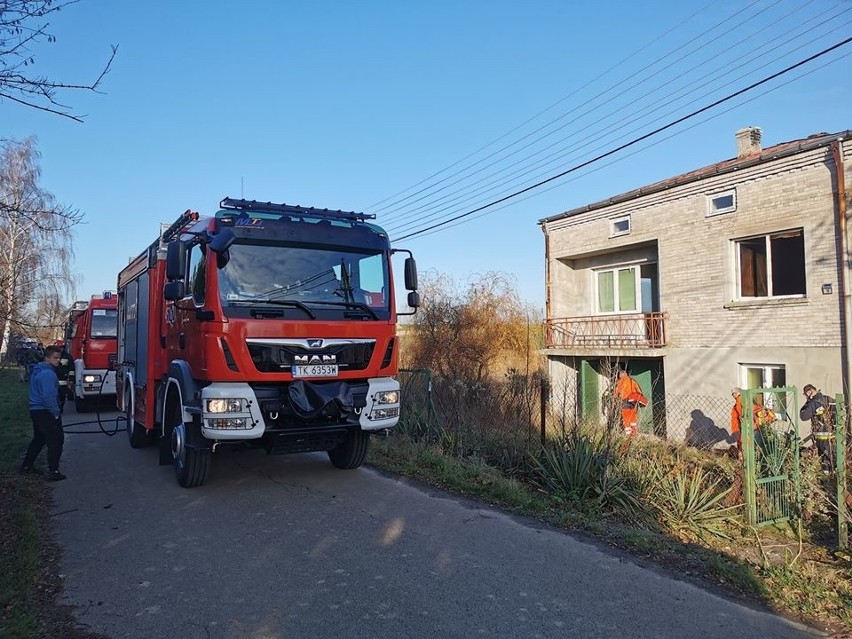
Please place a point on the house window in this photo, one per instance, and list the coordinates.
(764, 376)
(772, 265)
(618, 290)
(619, 226)
(725, 202)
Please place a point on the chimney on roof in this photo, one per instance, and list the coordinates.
(748, 141)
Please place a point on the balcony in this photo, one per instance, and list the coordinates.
(635, 330)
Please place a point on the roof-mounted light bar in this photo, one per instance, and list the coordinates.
(287, 209)
(175, 229)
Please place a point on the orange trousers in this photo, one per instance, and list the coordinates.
(630, 420)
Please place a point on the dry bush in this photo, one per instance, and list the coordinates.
(476, 331)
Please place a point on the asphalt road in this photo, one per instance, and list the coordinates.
(291, 547)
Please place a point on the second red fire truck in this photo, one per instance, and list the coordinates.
(90, 338)
(265, 325)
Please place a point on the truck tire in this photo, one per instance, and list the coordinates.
(191, 454)
(81, 404)
(136, 434)
(352, 451)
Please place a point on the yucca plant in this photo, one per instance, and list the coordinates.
(774, 451)
(583, 472)
(687, 500)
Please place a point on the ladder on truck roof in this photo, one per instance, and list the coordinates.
(289, 209)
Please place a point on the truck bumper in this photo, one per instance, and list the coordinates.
(245, 419)
(94, 382)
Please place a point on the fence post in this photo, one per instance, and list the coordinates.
(840, 448)
(430, 409)
(543, 393)
(749, 474)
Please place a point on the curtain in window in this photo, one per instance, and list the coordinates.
(753, 268)
(627, 289)
(606, 292)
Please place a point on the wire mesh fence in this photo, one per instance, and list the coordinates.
(505, 421)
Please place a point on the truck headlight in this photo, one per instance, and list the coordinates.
(91, 379)
(386, 397)
(224, 405)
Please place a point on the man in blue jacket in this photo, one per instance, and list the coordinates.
(46, 416)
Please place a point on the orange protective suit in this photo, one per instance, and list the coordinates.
(628, 391)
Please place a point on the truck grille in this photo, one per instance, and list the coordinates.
(275, 358)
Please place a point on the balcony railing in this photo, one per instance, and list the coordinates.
(636, 330)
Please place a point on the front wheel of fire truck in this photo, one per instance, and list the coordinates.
(351, 452)
(137, 434)
(191, 454)
(81, 404)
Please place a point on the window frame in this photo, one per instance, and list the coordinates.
(637, 286)
(738, 283)
(621, 218)
(712, 211)
(766, 380)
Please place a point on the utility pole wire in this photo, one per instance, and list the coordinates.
(639, 150)
(540, 113)
(468, 196)
(635, 140)
(533, 161)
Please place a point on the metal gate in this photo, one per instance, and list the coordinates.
(770, 442)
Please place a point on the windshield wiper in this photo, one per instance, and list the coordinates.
(292, 303)
(359, 305)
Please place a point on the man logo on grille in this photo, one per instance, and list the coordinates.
(314, 343)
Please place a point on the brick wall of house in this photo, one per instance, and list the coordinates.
(696, 255)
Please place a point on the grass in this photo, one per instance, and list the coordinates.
(28, 590)
(19, 530)
(815, 587)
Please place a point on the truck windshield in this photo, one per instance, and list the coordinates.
(326, 277)
(104, 323)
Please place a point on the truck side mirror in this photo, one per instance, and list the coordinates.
(414, 299)
(411, 276)
(220, 244)
(174, 291)
(222, 241)
(176, 260)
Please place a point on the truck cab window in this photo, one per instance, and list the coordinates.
(196, 273)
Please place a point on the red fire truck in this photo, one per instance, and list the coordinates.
(90, 338)
(265, 325)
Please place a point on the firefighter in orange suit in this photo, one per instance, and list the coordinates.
(630, 395)
(761, 416)
(737, 419)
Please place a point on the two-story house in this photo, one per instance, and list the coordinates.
(735, 274)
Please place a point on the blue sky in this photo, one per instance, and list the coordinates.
(342, 105)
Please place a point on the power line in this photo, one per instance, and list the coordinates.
(398, 225)
(412, 211)
(520, 126)
(635, 140)
(636, 151)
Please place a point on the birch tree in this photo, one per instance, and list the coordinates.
(23, 26)
(36, 246)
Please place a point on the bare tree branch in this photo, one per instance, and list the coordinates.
(23, 25)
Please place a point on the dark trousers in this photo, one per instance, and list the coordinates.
(825, 448)
(47, 431)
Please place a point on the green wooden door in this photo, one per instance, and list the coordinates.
(590, 397)
(645, 373)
